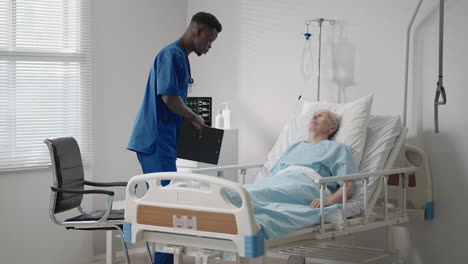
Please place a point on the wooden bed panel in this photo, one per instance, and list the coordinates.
(206, 221)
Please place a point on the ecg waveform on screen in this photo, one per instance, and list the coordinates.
(201, 106)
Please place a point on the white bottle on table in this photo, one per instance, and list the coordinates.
(227, 116)
(219, 121)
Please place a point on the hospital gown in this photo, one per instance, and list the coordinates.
(281, 203)
(326, 157)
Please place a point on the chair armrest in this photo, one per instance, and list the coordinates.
(101, 220)
(105, 184)
(55, 189)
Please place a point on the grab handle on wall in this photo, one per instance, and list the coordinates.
(440, 91)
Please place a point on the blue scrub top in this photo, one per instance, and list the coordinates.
(156, 127)
(326, 157)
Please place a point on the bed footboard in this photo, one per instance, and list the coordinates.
(204, 214)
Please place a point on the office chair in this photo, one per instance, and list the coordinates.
(68, 190)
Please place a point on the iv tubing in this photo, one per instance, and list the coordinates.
(319, 21)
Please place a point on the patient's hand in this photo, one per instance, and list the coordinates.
(316, 203)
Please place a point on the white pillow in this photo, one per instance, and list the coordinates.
(354, 117)
(382, 133)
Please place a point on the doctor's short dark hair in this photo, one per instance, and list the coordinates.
(208, 20)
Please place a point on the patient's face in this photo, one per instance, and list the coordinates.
(321, 122)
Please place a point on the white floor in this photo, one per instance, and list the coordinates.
(141, 258)
(316, 252)
(134, 259)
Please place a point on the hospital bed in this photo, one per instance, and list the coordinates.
(195, 218)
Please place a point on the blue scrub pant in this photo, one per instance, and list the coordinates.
(154, 163)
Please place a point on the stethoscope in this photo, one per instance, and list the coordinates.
(190, 81)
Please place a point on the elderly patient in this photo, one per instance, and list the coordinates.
(327, 157)
(282, 203)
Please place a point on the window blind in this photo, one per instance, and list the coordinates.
(45, 79)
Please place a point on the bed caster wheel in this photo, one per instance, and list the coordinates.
(296, 260)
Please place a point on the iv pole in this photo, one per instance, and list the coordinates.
(320, 22)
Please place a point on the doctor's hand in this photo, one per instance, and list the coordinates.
(316, 203)
(198, 122)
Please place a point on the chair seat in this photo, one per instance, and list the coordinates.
(96, 215)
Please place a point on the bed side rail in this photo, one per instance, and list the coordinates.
(403, 172)
(220, 169)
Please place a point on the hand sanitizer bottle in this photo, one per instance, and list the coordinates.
(227, 116)
(219, 121)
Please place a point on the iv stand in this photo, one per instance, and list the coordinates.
(440, 91)
(320, 22)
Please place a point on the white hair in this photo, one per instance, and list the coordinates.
(334, 119)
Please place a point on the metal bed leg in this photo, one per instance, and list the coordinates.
(345, 197)
(198, 260)
(110, 253)
(153, 247)
(150, 253)
(365, 182)
(390, 238)
(405, 184)
(178, 259)
(385, 179)
(127, 257)
(124, 246)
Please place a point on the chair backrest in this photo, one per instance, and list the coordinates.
(68, 173)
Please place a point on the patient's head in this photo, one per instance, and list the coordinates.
(323, 124)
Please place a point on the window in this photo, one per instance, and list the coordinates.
(45, 79)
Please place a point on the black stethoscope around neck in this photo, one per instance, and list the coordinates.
(191, 81)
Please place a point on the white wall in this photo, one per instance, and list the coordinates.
(255, 65)
(255, 61)
(27, 235)
(126, 37)
(449, 149)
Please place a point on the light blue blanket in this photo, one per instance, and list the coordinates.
(281, 203)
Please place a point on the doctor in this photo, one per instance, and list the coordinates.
(156, 128)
